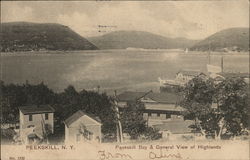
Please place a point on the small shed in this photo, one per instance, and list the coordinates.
(82, 127)
(176, 130)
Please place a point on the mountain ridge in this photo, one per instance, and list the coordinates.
(139, 39)
(231, 39)
(29, 36)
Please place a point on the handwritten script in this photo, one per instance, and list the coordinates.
(153, 155)
(107, 155)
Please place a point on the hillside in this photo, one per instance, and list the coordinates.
(233, 39)
(139, 39)
(23, 36)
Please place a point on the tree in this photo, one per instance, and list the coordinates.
(37, 94)
(100, 105)
(14, 96)
(134, 124)
(94, 103)
(233, 99)
(67, 103)
(152, 134)
(132, 120)
(231, 115)
(197, 100)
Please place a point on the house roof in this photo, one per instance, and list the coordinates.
(164, 107)
(190, 72)
(35, 109)
(131, 96)
(176, 127)
(78, 115)
(165, 97)
(232, 75)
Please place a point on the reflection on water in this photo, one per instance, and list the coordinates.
(116, 69)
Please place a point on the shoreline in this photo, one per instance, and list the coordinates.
(170, 51)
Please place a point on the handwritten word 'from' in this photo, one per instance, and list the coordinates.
(107, 155)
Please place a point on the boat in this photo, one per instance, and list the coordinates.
(135, 49)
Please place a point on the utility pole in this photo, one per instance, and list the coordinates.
(98, 88)
(209, 53)
(222, 63)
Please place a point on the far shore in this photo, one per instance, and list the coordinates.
(113, 50)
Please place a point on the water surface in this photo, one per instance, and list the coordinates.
(110, 69)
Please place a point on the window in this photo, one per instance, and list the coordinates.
(46, 116)
(91, 136)
(168, 116)
(158, 114)
(30, 126)
(149, 114)
(30, 117)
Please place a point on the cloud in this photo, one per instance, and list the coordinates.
(125, 16)
(214, 16)
(12, 12)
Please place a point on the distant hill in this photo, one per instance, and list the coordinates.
(23, 36)
(139, 39)
(233, 39)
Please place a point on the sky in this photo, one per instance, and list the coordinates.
(189, 19)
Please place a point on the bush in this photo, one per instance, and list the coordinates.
(152, 134)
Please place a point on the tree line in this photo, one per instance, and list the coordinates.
(230, 117)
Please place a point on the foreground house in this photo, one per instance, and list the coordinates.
(162, 107)
(82, 127)
(162, 111)
(159, 107)
(36, 121)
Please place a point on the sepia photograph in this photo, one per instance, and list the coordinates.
(123, 80)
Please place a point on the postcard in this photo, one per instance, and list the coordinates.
(124, 80)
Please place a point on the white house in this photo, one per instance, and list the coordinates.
(184, 76)
(82, 127)
(36, 121)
